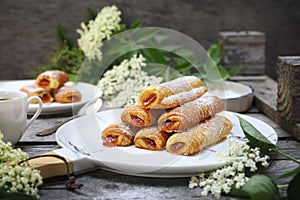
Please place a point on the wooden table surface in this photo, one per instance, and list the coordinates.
(102, 184)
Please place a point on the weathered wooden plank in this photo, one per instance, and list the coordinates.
(280, 132)
(244, 48)
(266, 100)
(36, 149)
(38, 125)
(249, 68)
(101, 184)
(290, 147)
(277, 168)
(288, 102)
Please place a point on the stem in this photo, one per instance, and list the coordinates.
(282, 186)
(287, 156)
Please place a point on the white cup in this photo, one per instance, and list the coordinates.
(13, 114)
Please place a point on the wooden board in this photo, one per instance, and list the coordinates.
(266, 101)
(51, 166)
(244, 48)
(288, 102)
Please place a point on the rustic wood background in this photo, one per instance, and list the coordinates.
(27, 27)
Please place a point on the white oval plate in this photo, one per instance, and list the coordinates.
(84, 136)
(88, 92)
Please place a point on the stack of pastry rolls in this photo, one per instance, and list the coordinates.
(50, 86)
(175, 115)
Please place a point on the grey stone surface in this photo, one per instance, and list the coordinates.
(27, 27)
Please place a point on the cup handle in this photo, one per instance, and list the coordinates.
(37, 112)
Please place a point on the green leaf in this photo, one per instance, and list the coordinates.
(238, 192)
(214, 51)
(15, 196)
(62, 38)
(223, 72)
(257, 188)
(217, 61)
(293, 188)
(235, 69)
(166, 72)
(143, 36)
(182, 66)
(255, 138)
(290, 173)
(73, 77)
(160, 38)
(171, 48)
(154, 56)
(199, 75)
(138, 23)
(184, 53)
(92, 13)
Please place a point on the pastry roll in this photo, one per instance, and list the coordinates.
(52, 79)
(35, 90)
(190, 114)
(66, 94)
(201, 136)
(151, 138)
(172, 93)
(118, 134)
(138, 116)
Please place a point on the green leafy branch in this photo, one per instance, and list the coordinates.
(261, 186)
(214, 51)
(68, 57)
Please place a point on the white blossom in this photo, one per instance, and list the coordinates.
(96, 31)
(122, 84)
(15, 177)
(240, 156)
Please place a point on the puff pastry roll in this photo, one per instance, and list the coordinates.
(66, 94)
(52, 79)
(201, 136)
(172, 93)
(138, 116)
(190, 114)
(118, 134)
(151, 138)
(35, 90)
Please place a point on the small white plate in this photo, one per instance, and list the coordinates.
(87, 91)
(238, 97)
(83, 135)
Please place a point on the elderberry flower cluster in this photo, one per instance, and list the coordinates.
(15, 177)
(102, 27)
(8, 154)
(122, 84)
(239, 156)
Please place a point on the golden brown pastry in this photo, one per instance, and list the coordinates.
(66, 94)
(52, 79)
(190, 114)
(172, 93)
(138, 116)
(35, 90)
(118, 134)
(151, 138)
(201, 136)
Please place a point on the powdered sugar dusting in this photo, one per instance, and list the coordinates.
(191, 113)
(185, 96)
(201, 136)
(182, 84)
(124, 128)
(212, 130)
